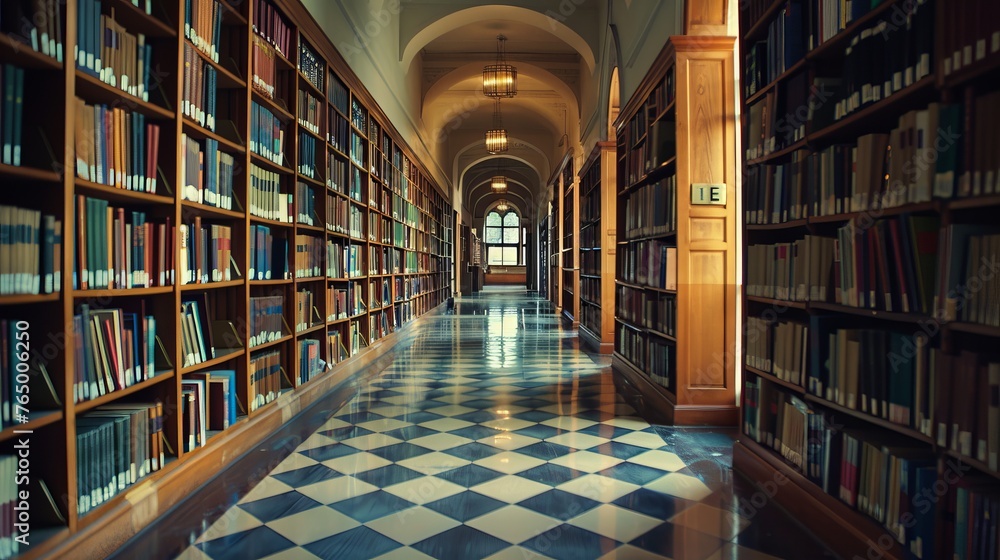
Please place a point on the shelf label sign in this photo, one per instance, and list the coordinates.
(708, 194)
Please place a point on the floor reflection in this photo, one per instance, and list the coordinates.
(490, 435)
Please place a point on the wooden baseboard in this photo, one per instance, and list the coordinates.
(659, 405)
(569, 320)
(142, 504)
(589, 339)
(845, 531)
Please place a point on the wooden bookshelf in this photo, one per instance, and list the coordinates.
(570, 251)
(887, 412)
(384, 184)
(598, 244)
(673, 256)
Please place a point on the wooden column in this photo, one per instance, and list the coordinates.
(706, 234)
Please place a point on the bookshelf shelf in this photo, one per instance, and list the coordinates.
(93, 89)
(135, 19)
(792, 224)
(113, 396)
(195, 130)
(218, 360)
(39, 420)
(28, 299)
(797, 67)
(775, 379)
(15, 52)
(228, 77)
(276, 106)
(834, 46)
(28, 173)
(115, 194)
(870, 313)
(877, 114)
(262, 161)
(130, 292)
(213, 211)
(778, 154)
(212, 285)
(941, 387)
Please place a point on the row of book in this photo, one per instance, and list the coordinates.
(200, 95)
(305, 207)
(116, 147)
(265, 73)
(338, 95)
(379, 293)
(305, 310)
(889, 478)
(310, 362)
(308, 164)
(220, 406)
(969, 36)
(784, 46)
(197, 345)
(339, 134)
(107, 51)
(345, 217)
(206, 252)
(114, 349)
(208, 173)
(336, 175)
(267, 200)
(631, 343)
(344, 260)
(381, 324)
(38, 25)
(380, 228)
(266, 319)
(31, 249)
(886, 57)
(590, 316)
(647, 310)
(651, 210)
(269, 24)
(310, 112)
(590, 289)
(662, 362)
(358, 150)
(359, 115)
(346, 302)
(265, 377)
(268, 254)
(309, 254)
(267, 136)
(649, 263)
(11, 113)
(386, 260)
(311, 66)
(779, 348)
(336, 352)
(120, 250)
(117, 445)
(203, 26)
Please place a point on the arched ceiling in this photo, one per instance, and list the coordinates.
(450, 48)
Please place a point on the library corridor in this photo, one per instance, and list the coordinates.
(489, 435)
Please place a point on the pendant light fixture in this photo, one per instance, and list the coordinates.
(503, 207)
(498, 184)
(500, 79)
(496, 137)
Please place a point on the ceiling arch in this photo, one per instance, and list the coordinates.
(475, 70)
(542, 167)
(460, 18)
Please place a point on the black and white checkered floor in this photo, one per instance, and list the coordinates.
(493, 436)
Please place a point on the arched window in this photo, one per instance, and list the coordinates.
(503, 238)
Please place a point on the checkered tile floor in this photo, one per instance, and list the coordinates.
(491, 436)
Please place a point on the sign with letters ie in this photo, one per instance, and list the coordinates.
(708, 194)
